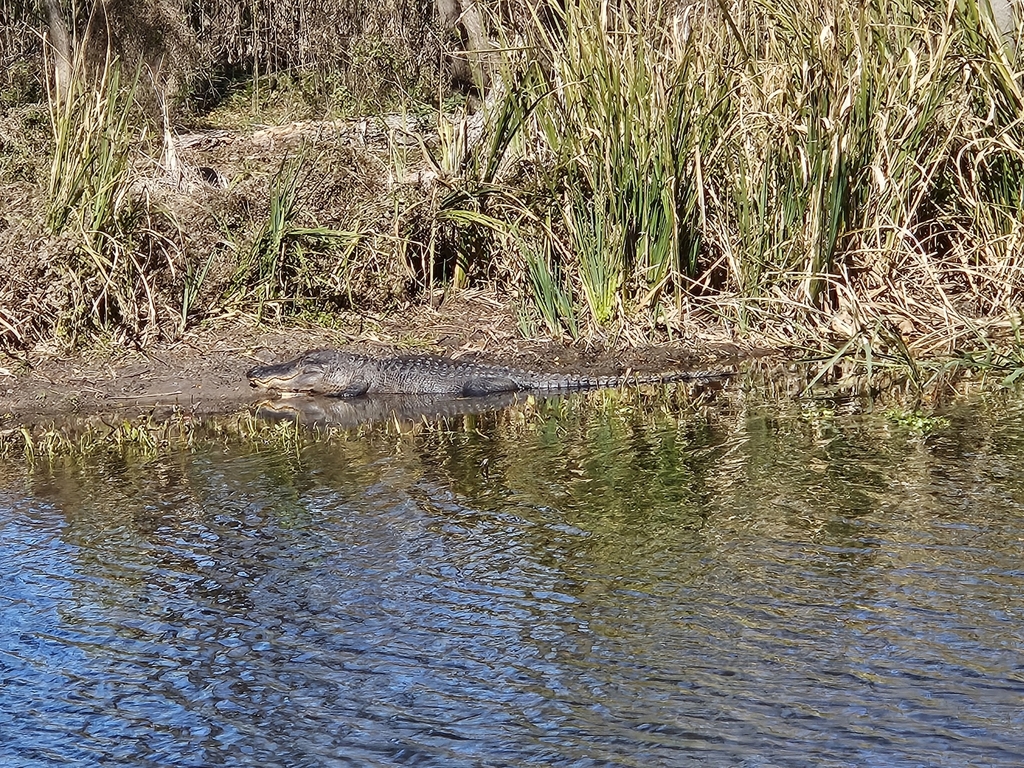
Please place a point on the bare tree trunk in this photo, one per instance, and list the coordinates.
(60, 44)
(466, 17)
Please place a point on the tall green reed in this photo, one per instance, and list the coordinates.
(288, 264)
(624, 122)
(549, 291)
(90, 179)
(90, 198)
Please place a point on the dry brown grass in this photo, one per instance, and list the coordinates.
(840, 177)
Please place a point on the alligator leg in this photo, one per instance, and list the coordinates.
(354, 389)
(489, 385)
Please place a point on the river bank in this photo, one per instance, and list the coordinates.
(749, 203)
(203, 371)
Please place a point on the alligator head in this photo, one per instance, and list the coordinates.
(303, 375)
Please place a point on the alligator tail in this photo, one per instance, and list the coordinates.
(568, 383)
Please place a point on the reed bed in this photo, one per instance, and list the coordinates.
(852, 167)
(843, 177)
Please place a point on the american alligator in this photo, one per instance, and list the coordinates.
(344, 374)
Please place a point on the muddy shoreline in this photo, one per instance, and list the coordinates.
(203, 373)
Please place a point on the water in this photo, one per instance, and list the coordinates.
(609, 582)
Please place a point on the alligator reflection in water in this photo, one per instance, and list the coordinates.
(352, 412)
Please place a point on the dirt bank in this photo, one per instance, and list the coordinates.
(203, 372)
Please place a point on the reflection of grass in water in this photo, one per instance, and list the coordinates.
(631, 468)
(151, 434)
(605, 418)
(611, 461)
(141, 437)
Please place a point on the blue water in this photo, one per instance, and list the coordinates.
(599, 582)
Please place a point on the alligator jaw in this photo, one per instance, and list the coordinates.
(285, 378)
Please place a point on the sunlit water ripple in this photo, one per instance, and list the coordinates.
(609, 591)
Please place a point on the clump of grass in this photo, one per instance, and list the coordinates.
(142, 436)
(284, 266)
(145, 435)
(90, 177)
(90, 198)
(463, 227)
(193, 280)
(623, 116)
(550, 294)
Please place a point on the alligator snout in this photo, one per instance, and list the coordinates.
(293, 376)
(262, 375)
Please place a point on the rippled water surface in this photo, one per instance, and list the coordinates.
(603, 583)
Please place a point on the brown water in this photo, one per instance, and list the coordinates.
(609, 583)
